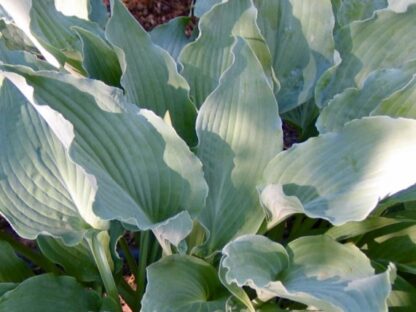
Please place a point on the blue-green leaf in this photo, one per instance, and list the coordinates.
(299, 35)
(316, 271)
(195, 288)
(362, 46)
(172, 36)
(150, 76)
(239, 132)
(145, 175)
(41, 189)
(207, 58)
(342, 176)
(49, 293)
(12, 268)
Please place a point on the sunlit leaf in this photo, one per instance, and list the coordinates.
(41, 189)
(50, 30)
(355, 103)
(384, 41)
(315, 271)
(400, 104)
(353, 10)
(145, 174)
(342, 176)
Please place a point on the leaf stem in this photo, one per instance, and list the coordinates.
(144, 245)
(99, 246)
(155, 252)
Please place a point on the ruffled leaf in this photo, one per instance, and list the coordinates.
(41, 189)
(342, 176)
(202, 66)
(50, 30)
(299, 35)
(172, 36)
(150, 76)
(315, 271)
(355, 103)
(145, 175)
(363, 45)
(400, 104)
(239, 131)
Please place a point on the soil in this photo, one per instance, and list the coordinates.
(151, 13)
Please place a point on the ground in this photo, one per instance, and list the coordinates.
(151, 13)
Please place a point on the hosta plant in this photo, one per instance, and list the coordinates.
(161, 156)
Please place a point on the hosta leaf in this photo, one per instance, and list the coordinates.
(78, 8)
(22, 58)
(353, 228)
(93, 10)
(203, 66)
(400, 104)
(77, 261)
(50, 30)
(315, 271)
(99, 59)
(240, 299)
(233, 305)
(407, 195)
(19, 12)
(145, 174)
(15, 38)
(98, 12)
(41, 189)
(12, 268)
(201, 7)
(402, 297)
(48, 293)
(400, 5)
(4, 15)
(363, 47)
(398, 247)
(299, 34)
(150, 76)
(353, 10)
(239, 131)
(303, 116)
(172, 36)
(195, 287)
(342, 176)
(355, 103)
(5, 287)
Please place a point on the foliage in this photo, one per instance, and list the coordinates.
(107, 130)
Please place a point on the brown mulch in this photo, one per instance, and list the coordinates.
(151, 13)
